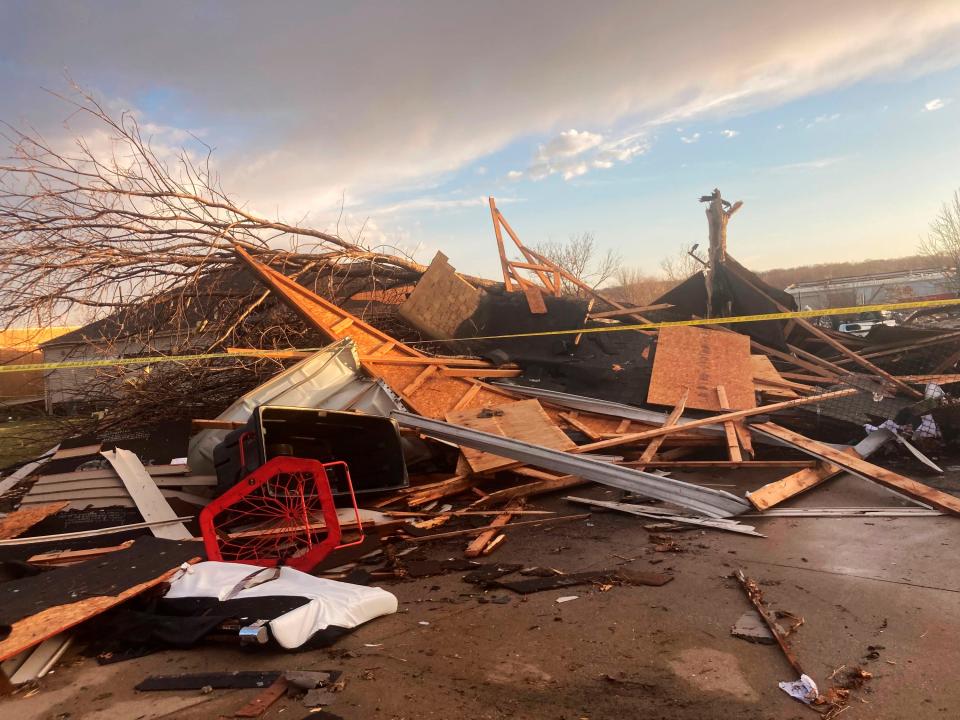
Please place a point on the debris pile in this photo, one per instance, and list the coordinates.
(266, 524)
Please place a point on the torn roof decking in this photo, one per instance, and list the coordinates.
(429, 388)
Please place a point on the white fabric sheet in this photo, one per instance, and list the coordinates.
(331, 603)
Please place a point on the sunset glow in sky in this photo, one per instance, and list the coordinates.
(837, 124)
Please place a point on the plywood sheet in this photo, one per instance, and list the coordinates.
(522, 420)
(23, 519)
(700, 360)
(441, 301)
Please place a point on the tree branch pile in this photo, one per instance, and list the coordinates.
(144, 237)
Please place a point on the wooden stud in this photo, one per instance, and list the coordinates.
(467, 396)
(571, 417)
(504, 263)
(420, 380)
(858, 466)
(476, 547)
(713, 420)
(339, 327)
(733, 445)
(671, 420)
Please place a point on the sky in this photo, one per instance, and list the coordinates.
(837, 124)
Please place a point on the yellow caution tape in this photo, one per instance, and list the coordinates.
(719, 320)
(113, 362)
(576, 331)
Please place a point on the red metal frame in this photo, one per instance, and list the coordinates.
(269, 517)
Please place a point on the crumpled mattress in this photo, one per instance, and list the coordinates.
(332, 605)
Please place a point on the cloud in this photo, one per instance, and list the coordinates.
(817, 164)
(935, 104)
(729, 133)
(398, 95)
(690, 139)
(434, 204)
(574, 153)
(821, 119)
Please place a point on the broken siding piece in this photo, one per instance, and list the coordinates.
(862, 468)
(151, 503)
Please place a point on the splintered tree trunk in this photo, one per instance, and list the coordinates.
(718, 215)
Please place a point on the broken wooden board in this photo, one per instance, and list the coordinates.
(262, 702)
(699, 360)
(862, 468)
(479, 544)
(23, 519)
(729, 427)
(441, 301)
(672, 418)
(767, 380)
(523, 420)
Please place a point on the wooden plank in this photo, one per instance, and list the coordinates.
(428, 493)
(481, 372)
(504, 263)
(571, 417)
(339, 327)
(151, 503)
(467, 396)
(479, 530)
(815, 369)
(628, 311)
(776, 492)
(263, 700)
(70, 557)
(743, 436)
(548, 484)
(857, 466)
(479, 543)
(713, 420)
(216, 424)
(420, 380)
(623, 427)
(733, 444)
(699, 360)
(17, 523)
(28, 632)
(654, 445)
(521, 420)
